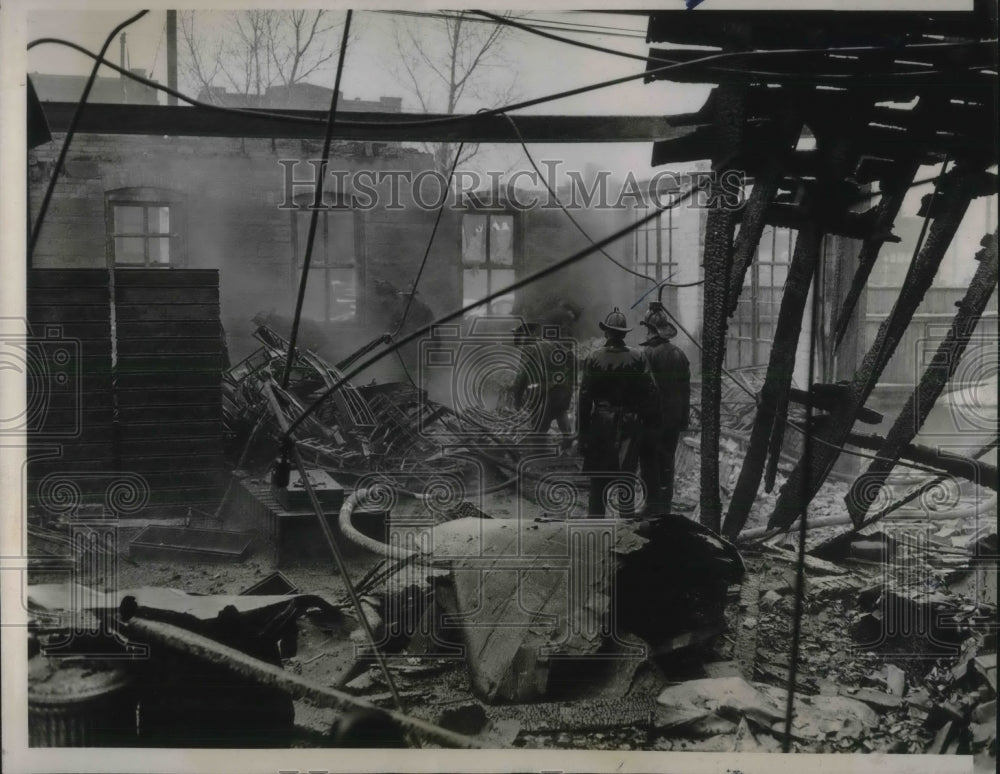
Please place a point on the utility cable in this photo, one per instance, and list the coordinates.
(542, 24)
(74, 122)
(834, 77)
(457, 119)
(800, 564)
(430, 241)
(317, 203)
(488, 298)
(574, 221)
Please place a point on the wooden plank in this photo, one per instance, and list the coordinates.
(167, 295)
(72, 417)
(131, 448)
(179, 346)
(184, 463)
(180, 312)
(66, 278)
(169, 329)
(68, 296)
(167, 364)
(147, 381)
(170, 397)
(90, 450)
(93, 400)
(168, 481)
(165, 277)
(141, 432)
(100, 330)
(42, 468)
(68, 314)
(129, 414)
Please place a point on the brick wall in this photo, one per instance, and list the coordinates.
(231, 190)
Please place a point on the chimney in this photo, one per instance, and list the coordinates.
(172, 55)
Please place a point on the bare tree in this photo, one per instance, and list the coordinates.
(454, 62)
(247, 52)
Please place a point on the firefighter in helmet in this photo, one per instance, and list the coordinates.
(672, 375)
(617, 397)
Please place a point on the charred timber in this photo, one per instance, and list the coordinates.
(764, 189)
(809, 475)
(777, 382)
(946, 360)
(720, 229)
(957, 465)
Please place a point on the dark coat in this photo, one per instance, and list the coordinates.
(672, 374)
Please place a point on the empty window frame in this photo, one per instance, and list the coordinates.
(654, 255)
(332, 289)
(488, 261)
(751, 331)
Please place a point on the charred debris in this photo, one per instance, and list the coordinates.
(458, 603)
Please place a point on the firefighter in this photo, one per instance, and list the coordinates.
(546, 366)
(617, 397)
(672, 374)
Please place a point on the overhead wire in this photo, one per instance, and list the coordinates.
(488, 298)
(427, 250)
(800, 563)
(575, 222)
(833, 77)
(70, 131)
(457, 119)
(572, 27)
(317, 203)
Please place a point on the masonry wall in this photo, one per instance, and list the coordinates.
(231, 190)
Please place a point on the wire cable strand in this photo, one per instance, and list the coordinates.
(574, 221)
(458, 119)
(427, 250)
(817, 77)
(800, 564)
(488, 298)
(71, 130)
(317, 204)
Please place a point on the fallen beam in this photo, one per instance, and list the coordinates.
(176, 638)
(810, 473)
(956, 465)
(764, 189)
(777, 382)
(932, 384)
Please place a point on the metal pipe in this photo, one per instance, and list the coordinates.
(331, 542)
(239, 663)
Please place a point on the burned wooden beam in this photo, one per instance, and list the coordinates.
(956, 465)
(810, 473)
(774, 393)
(826, 397)
(764, 188)
(855, 225)
(946, 360)
(720, 228)
(885, 215)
